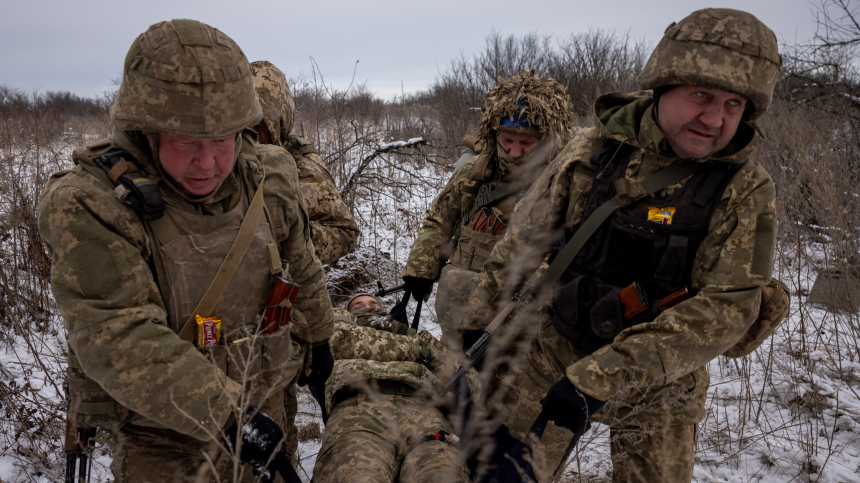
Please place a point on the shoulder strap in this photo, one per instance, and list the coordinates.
(627, 193)
(228, 266)
(133, 187)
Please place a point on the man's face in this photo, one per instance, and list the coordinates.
(699, 121)
(199, 165)
(516, 144)
(362, 302)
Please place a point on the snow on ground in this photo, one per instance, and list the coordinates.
(789, 412)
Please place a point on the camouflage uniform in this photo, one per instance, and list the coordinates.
(335, 232)
(124, 296)
(377, 431)
(654, 374)
(546, 109)
(333, 228)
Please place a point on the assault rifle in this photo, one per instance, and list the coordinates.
(78, 450)
(398, 312)
(632, 299)
(382, 292)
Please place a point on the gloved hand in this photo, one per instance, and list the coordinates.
(569, 407)
(388, 324)
(322, 362)
(436, 356)
(420, 287)
(263, 446)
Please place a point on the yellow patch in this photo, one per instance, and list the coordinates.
(661, 215)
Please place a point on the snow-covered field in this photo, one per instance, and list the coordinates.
(787, 413)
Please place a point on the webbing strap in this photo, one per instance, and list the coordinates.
(92, 409)
(228, 266)
(72, 361)
(653, 183)
(84, 385)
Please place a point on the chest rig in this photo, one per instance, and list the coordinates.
(650, 245)
(483, 223)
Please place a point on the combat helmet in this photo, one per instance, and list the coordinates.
(527, 104)
(185, 78)
(718, 47)
(273, 92)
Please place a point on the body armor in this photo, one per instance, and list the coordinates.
(651, 243)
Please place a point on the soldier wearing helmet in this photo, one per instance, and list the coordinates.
(165, 240)
(711, 231)
(334, 229)
(524, 122)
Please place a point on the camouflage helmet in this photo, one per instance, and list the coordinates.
(279, 109)
(185, 78)
(718, 47)
(538, 104)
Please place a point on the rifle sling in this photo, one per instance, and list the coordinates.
(656, 182)
(228, 267)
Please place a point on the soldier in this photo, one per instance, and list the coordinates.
(178, 215)
(362, 300)
(335, 232)
(712, 232)
(381, 426)
(333, 227)
(525, 120)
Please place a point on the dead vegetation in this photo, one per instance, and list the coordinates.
(802, 385)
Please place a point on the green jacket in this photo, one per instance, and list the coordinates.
(112, 305)
(733, 262)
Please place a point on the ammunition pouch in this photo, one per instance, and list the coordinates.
(590, 315)
(473, 249)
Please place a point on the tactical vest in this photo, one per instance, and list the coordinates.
(652, 242)
(483, 225)
(188, 249)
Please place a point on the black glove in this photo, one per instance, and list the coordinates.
(420, 287)
(263, 446)
(322, 362)
(569, 407)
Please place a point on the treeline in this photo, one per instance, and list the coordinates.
(16, 101)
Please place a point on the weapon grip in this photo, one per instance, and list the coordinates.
(673, 299)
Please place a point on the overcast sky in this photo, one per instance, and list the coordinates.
(80, 46)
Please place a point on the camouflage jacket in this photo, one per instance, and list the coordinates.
(433, 242)
(335, 232)
(733, 262)
(365, 351)
(113, 307)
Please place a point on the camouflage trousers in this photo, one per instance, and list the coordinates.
(378, 439)
(652, 430)
(144, 454)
